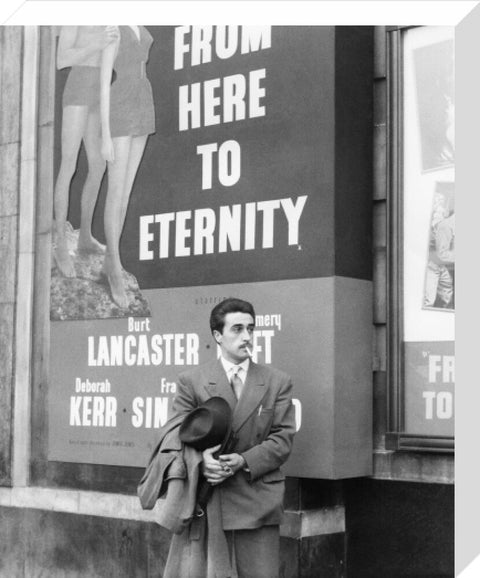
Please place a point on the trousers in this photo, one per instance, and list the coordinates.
(255, 553)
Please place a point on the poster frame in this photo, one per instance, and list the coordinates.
(397, 438)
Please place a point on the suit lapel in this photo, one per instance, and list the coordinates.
(252, 395)
(218, 384)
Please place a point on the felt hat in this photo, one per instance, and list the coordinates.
(207, 425)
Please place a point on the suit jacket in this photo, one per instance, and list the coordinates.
(263, 422)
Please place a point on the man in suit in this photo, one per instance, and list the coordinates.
(249, 480)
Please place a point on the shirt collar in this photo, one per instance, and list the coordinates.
(228, 365)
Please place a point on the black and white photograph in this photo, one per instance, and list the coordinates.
(434, 66)
(228, 308)
(440, 272)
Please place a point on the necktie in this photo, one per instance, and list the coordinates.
(237, 383)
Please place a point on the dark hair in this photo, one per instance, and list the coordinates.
(229, 305)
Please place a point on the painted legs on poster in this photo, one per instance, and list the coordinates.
(122, 170)
(78, 123)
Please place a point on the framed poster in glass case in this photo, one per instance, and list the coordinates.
(421, 238)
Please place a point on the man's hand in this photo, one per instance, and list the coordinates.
(213, 470)
(234, 462)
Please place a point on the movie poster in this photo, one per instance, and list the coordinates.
(429, 231)
(214, 189)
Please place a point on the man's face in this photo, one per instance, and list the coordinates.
(237, 334)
